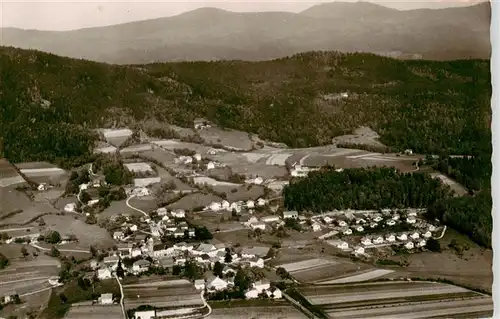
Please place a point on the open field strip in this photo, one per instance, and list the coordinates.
(94, 312)
(380, 159)
(254, 157)
(9, 181)
(420, 310)
(370, 304)
(307, 264)
(42, 171)
(200, 180)
(393, 293)
(369, 275)
(362, 155)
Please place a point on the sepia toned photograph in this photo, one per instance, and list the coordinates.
(239, 159)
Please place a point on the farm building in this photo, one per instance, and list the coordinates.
(139, 167)
(145, 314)
(106, 299)
(216, 283)
(199, 284)
(103, 274)
(258, 225)
(290, 214)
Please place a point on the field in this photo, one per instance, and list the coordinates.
(8, 175)
(456, 187)
(173, 293)
(358, 277)
(117, 208)
(173, 144)
(87, 234)
(136, 149)
(200, 180)
(195, 200)
(396, 299)
(309, 266)
(16, 208)
(230, 139)
(254, 309)
(116, 137)
(94, 312)
(243, 193)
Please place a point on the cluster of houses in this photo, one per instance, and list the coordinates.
(164, 223)
(352, 225)
(298, 170)
(236, 206)
(260, 223)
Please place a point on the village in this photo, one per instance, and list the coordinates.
(210, 218)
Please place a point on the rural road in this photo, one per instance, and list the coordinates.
(15, 229)
(91, 172)
(62, 250)
(202, 295)
(442, 234)
(132, 207)
(122, 295)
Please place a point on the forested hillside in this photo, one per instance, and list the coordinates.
(48, 103)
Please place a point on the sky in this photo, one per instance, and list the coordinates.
(71, 14)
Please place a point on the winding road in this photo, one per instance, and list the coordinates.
(61, 250)
(132, 207)
(202, 295)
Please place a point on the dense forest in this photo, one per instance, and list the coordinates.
(363, 188)
(48, 104)
(472, 172)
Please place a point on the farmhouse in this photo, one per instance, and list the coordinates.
(250, 252)
(179, 213)
(70, 208)
(343, 245)
(106, 299)
(261, 285)
(215, 206)
(290, 214)
(217, 284)
(261, 202)
(210, 165)
(145, 314)
(258, 225)
(118, 235)
(103, 274)
(257, 262)
(274, 293)
(140, 265)
(270, 219)
(225, 205)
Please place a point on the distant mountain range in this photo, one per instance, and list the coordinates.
(215, 34)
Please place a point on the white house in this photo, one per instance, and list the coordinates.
(257, 262)
(225, 205)
(70, 208)
(215, 206)
(106, 299)
(391, 222)
(210, 165)
(235, 207)
(411, 220)
(270, 219)
(290, 214)
(390, 238)
(412, 213)
(258, 180)
(359, 250)
(342, 223)
(415, 235)
(133, 228)
(258, 225)
(347, 231)
(402, 237)
(140, 265)
(274, 293)
(83, 187)
(197, 157)
(378, 219)
(250, 204)
(145, 314)
(94, 264)
(199, 284)
(217, 284)
(328, 220)
(432, 228)
(103, 274)
(178, 213)
(409, 245)
(316, 227)
(261, 202)
(378, 240)
(208, 249)
(427, 234)
(343, 245)
(135, 252)
(373, 225)
(396, 217)
(360, 228)
(366, 241)
(252, 294)
(422, 243)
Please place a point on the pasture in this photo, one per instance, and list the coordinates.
(8, 175)
(262, 309)
(88, 235)
(116, 137)
(230, 139)
(193, 201)
(16, 208)
(396, 299)
(94, 312)
(161, 293)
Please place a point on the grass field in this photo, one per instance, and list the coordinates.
(192, 201)
(87, 234)
(8, 175)
(178, 293)
(254, 309)
(234, 140)
(94, 312)
(16, 208)
(395, 300)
